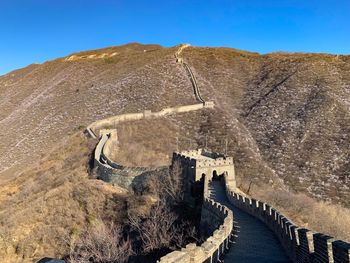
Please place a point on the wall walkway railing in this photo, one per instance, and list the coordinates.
(300, 244)
(213, 249)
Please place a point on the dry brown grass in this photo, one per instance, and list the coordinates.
(49, 206)
(147, 143)
(45, 207)
(298, 132)
(297, 128)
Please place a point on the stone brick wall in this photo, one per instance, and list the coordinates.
(300, 244)
(215, 246)
(194, 168)
(216, 221)
(113, 121)
(112, 172)
(211, 218)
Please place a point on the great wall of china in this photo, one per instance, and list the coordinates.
(300, 245)
(113, 121)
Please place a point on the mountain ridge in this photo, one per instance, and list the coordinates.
(55, 98)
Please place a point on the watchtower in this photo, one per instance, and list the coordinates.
(204, 166)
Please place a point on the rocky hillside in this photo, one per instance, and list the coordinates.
(284, 116)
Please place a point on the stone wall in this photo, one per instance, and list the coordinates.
(215, 246)
(189, 72)
(216, 221)
(211, 218)
(195, 168)
(113, 172)
(193, 81)
(113, 121)
(110, 171)
(300, 244)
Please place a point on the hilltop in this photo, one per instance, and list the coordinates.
(285, 118)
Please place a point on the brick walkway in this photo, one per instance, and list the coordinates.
(255, 243)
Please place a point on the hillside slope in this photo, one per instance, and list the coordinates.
(282, 115)
(51, 202)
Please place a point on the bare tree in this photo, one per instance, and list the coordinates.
(185, 231)
(162, 229)
(173, 183)
(167, 185)
(155, 231)
(102, 244)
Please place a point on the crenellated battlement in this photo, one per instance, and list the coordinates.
(204, 158)
(203, 162)
(213, 248)
(217, 162)
(300, 244)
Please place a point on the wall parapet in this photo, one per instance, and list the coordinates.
(215, 217)
(214, 247)
(147, 114)
(217, 159)
(112, 172)
(300, 244)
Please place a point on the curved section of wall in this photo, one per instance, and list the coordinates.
(215, 246)
(112, 172)
(300, 244)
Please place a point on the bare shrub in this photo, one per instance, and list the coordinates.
(167, 184)
(102, 244)
(173, 183)
(156, 230)
(51, 202)
(161, 229)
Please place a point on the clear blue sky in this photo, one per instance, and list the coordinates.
(33, 31)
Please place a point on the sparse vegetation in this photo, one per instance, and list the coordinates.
(109, 60)
(284, 117)
(52, 202)
(102, 243)
(297, 127)
(155, 225)
(54, 208)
